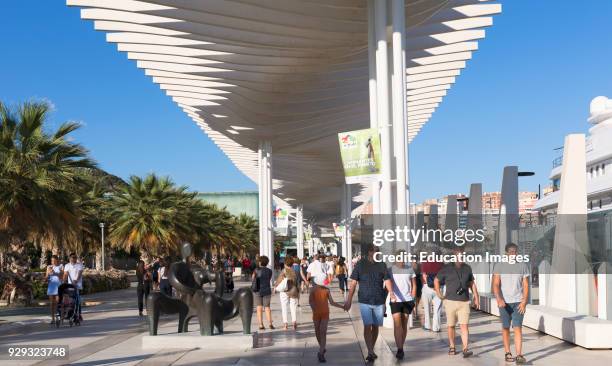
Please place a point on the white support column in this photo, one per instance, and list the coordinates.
(342, 221)
(382, 97)
(373, 93)
(266, 233)
(300, 231)
(399, 105)
(345, 210)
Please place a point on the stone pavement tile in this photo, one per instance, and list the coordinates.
(126, 353)
(165, 357)
(208, 358)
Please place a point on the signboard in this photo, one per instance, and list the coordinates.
(361, 156)
(281, 221)
(338, 229)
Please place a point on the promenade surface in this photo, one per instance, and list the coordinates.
(112, 335)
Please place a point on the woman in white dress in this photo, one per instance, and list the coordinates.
(55, 272)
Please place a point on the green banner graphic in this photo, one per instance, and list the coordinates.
(361, 157)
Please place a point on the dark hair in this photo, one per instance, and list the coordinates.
(371, 248)
(263, 261)
(54, 257)
(140, 266)
(72, 255)
(341, 260)
(510, 246)
(288, 261)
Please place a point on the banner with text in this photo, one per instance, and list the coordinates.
(361, 156)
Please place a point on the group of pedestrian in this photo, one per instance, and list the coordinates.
(443, 284)
(447, 285)
(57, 274)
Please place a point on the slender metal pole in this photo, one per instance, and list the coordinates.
(300, 231)
(103, 254)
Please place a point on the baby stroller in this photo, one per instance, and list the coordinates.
(68, 306)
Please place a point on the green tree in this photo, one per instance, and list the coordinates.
(40, 177)
(151, 215)
(39, 184)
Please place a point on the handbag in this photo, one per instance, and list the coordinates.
(283, 286)
(255, 282)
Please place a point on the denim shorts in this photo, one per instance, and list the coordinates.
(509, 314)
(372, 314)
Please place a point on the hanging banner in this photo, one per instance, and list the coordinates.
(338, 230)
(361, 156)
(281, 221)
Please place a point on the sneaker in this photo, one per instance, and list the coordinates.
(400, 354)
(370, 358)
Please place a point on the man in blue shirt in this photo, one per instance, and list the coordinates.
(374, 284)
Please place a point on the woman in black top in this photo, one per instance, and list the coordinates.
(261, 298)
(164, 284)
(143, 278)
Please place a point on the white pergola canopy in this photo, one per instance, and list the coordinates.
(292, 72)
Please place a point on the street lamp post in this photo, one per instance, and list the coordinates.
(102, 232)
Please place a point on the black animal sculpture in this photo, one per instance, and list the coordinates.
(158, 303)
(210, 308)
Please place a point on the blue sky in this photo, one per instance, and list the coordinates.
(528, 86)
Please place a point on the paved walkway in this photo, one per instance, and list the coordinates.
(112, 334)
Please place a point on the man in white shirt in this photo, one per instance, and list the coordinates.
(318, 268)
(73, 274)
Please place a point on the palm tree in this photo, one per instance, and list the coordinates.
(249, 232)
(151, 215)
(39, 179)
(94, 208)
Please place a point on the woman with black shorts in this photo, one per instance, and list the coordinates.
(404, 283)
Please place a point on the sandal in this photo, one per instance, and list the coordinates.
(261, 327)
(508, 357)
(467, 353)
(272, 326)
(321, 357)
(370, 358)
(452, 351)
(520, 360)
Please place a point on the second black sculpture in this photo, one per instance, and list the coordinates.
(209, 308)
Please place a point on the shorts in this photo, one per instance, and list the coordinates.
(510, 314)
(372, 314)
(457, 312)
(404, 307)
(262, 300)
